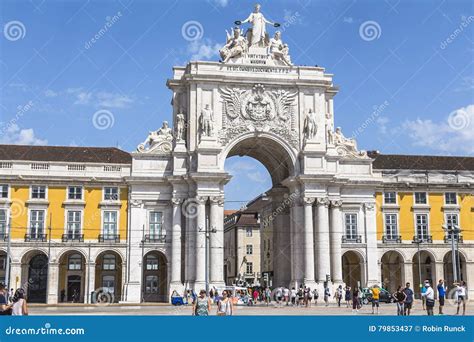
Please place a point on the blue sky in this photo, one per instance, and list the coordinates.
(406, 82)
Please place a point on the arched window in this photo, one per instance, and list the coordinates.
(108, 262)
(75, 262)
(151, 262)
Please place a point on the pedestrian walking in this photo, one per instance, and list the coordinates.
(255, 296)
(461, 296)
(268, 296)
(409, 300)
(278, 295)
(19, 306)
(286, 295)
(400, 298)
(375, 291)
(316, 296)
(293, 296)
(225, 306)
(423, 297)
(300, 296)
(327, 294)
(347, 295)
(441, 295)
(355, 300)
(428, 294)
(339, 295)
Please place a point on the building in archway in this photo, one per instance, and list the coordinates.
(118, 226)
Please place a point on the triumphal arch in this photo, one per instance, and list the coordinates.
(253, 102)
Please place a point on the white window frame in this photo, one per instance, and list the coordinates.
(248, 232)
(75, 199)
(8, 191)
(384, 197)
(117, 228)
(69, 264)
(66, 220)
(356, 225)
(30, 232)
(420, 192)
(457, 221)
(115, 262)
(111, 200)
(247, 267)
(5, 231)
(161, 232)
(455, 196)
(396, 226)
(154, 267)
(427, 225)
(45, 193)
(249, 247)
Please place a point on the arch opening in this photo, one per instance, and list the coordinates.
(352, 269)
(155, 282)
(392, 270)
(108, 276)
(71, 277)
(423, 269)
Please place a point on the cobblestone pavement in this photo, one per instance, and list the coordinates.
(258, 310)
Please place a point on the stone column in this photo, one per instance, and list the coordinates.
(297, 221)
(336, 241)
(408, 274)
(216, 275)
(200, 249)
(53, 279)
(323, 248)
(439, 274)
(90, 280)
(176, 245)
(373, 271)
(15, 273)
(308, 254)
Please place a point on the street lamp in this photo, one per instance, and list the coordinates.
(453, 231)
(207, 233)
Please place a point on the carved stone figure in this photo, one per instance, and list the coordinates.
(236, 45)
(310, 126)
(180, 126)
(278, 50)
(157, 141)
(206, 121)
(346, 146)
(257, 35)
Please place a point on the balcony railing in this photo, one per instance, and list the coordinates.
(391, 238)
(423, 239)
(109, 238)
(448, 238)
(351, 239)
(36, 237)
(4, 236)
(73, 237)
(154, 238)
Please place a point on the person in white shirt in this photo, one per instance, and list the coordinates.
(19, 306)
(293, 296)
(286, 295)
(429, 295)
(461, 296)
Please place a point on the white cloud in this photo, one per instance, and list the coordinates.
(382, 121)
(257, 176)
(455, 135)
(100, 99)
(203, 49)
(83, 98)
(50, 93)
(14, 135)
(221, 3)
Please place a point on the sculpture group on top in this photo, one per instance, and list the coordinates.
(346, 147)
(254, 40)
(158, 141)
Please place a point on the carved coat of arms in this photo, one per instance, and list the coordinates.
(258, 109)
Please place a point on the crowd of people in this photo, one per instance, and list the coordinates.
(304, 296)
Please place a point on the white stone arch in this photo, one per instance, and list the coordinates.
(348, 276)
(65, 251)
(400, 251)
(29, 252)
(436, 255)
(282, 147)
(102, 250)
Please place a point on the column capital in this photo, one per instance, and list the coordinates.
(336, 203)
(200, 199)
(323, 201)
(308, 200)
(176, 201)
(369, 206)
(219, 200)
(135, 203)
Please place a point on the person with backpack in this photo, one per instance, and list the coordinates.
(316, 296)
(339, 295)
(429, 298)
(400, 297)
(375, 290)
(409, 300)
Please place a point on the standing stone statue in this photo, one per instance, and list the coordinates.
(180, 126)
(236, 45)
(310, 126)
(206, 121)
(259, 33)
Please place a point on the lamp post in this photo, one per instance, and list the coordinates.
(453, 231)
(207, 233)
